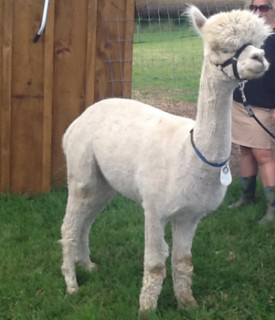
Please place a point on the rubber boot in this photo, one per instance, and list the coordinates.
(269, 217)
(248, 189)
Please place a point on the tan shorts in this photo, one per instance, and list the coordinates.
(247, 132)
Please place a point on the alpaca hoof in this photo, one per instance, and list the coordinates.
(147, 304)
(72, 290)
(187, 303)
(145, 314)
(92, 267)
(87, 265)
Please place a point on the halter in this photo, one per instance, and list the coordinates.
(233, 61)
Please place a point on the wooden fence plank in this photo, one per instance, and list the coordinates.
(48, 100)
(69, 74)
(27, 98)
(26, 145)
(6, 66)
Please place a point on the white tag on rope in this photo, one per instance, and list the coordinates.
(225, 176)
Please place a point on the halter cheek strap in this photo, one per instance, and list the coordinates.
(234, 61)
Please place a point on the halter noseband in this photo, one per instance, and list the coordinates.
(234, 61)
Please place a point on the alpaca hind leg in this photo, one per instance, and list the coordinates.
(182, 268)
(82, 209)
(101, 198)
(83, 249)
(155, 255)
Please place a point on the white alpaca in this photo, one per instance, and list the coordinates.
(120, 145)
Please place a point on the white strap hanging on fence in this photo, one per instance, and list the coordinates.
(43, 22)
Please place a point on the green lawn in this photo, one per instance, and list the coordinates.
(233, 262)
(168, 60)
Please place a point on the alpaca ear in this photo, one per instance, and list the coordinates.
(196, 17)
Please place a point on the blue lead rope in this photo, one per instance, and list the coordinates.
(213, 164)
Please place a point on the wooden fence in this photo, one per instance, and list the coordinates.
(84, 55)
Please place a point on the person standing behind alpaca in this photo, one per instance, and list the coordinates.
(255, 144)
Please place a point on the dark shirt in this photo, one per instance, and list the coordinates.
(261, 92)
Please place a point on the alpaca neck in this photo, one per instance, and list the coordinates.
(212, 131)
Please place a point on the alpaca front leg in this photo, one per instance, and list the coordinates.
(155, 255)
(183, 233)
(68, 266)
(182, 279)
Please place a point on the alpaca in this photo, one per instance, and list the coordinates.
(125, 146)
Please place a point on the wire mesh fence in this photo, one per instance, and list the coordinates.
(167, 53)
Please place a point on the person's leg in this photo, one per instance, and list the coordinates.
(249, 170)
(266, 164)
(249, 165)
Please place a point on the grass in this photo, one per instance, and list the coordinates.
(233, 261)
(169, 59)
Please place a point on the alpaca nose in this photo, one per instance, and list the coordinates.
(258, 56)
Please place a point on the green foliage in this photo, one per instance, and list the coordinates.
(169, 60)
(233, 262)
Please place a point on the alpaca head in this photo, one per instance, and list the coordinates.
(226, 32)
